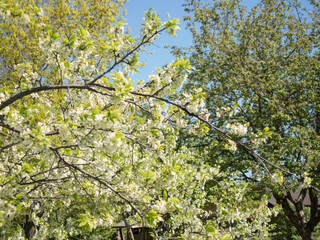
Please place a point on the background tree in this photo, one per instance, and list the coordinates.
(260, 72)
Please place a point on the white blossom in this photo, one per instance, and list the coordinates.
(160, 206)
(237, 129)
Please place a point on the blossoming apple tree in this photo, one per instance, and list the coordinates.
(82, 145)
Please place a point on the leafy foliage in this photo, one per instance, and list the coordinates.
(260, 70)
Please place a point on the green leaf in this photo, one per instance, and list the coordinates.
(154, 131)
(19, 195)
(85, 219)
(165, 195)
(82, 32)
(72, 40)
(265, 130)
(26, 167)
(53, 35)
(82, 223)
(171, 26)
(152, 217)
(95, 110)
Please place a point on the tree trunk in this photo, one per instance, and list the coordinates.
(306, 234)
(29, 228)
(296, 214)
(129, 229)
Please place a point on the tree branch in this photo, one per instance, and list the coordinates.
(56, 151)
(27, 92)
(144, 40)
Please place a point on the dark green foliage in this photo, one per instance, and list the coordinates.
(265, 63)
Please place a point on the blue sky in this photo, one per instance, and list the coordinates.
(161, 56)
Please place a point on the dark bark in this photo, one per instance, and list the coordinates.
(294, 210)
(30, 228)
(128, 227)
